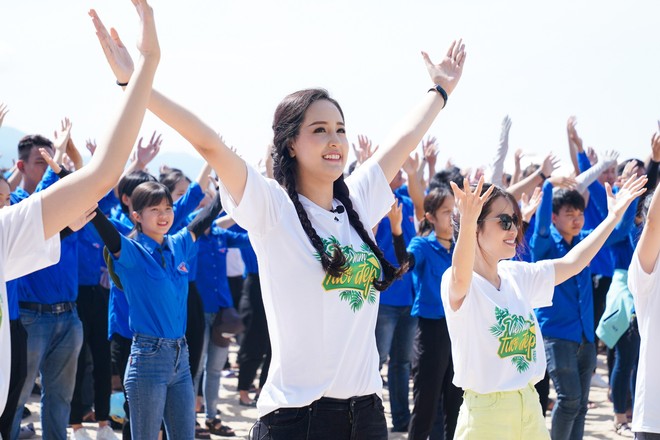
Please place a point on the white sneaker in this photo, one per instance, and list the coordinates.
(106, 433)
(81, 434)
(598, 381)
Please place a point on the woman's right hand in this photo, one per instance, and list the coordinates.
(115, 51)
(468, 202)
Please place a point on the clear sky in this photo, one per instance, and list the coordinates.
(231, 61)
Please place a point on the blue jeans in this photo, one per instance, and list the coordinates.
(212, 361)
(622, 379)
(395, 332)
(357, 418)
(53, 345)
(159, 388)
(570, 366)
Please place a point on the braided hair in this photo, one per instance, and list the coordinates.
(288, 119)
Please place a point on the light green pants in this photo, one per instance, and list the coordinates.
(507, 415)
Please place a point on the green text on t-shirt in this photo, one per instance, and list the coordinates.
(356, 283)
(517, 337)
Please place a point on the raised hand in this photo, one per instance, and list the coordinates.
(592, 155)
(146, 154)
(61, 136)
(529, 205)
(364, 149)
(396, 217)
(3, 112)
(90, 144)
(468, 202)
(563, 182)
(50, 161)
(411, 166)
(573, 137)
(448, 72)
(631, 189)
(655, 145)
(517, 156)
(549, 165)
(506, 128)
(430, 150)
(81, 221)
(114, 49)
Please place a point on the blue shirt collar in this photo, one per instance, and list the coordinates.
(151, 245)
(435, 244)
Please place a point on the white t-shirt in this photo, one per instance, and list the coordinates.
(646, 293)
(496, 341)
(322, 330)
(22, 250)
(235, 264)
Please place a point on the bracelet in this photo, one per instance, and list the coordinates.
(122, 84)
(438, 88)
(543, 176)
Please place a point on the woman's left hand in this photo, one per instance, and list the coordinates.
(448, 72)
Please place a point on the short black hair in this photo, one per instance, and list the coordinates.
(27, 143)
(442, 178)
(567, 197)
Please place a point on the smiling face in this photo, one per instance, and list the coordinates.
(155, 220)
(493, 240)
(321, 147)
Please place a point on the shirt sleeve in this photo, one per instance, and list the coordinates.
(370, 190)
(536, 280)
(129, 256)
(641, 283)
(261, 205)
(23, 244)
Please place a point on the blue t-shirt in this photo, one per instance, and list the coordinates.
(400, 292)
(431, 261)
(90, 256)
(155, 281)
(212, 281)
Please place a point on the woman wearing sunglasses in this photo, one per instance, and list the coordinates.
(489, 304)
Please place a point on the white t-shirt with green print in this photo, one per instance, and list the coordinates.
(496, 341)
(322, 329)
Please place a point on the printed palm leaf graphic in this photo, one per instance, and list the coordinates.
(354, 299)
(520, 363)
(499, 328)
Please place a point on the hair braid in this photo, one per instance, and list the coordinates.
(333, 264)
(390, 273)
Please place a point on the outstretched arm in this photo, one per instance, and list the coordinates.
(496, 167)
(409, 132)
(578, 257)
(229, 167)
(469, 205)
(68, 198)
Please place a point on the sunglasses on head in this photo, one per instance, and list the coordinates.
(506, 220)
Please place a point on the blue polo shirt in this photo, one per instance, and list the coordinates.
(212, 267)
(118, 306)
(90, 256)
(594, 213)
(54, 284)
(155, 281)
(401, 292)
(247, 253)
(571, 316)
(431, 261)
(185, 205)
(12, 300)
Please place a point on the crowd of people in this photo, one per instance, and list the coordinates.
(479, 285)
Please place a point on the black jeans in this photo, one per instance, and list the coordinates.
(255, 347)
(432, 373)
(196, 325)
(16, 376)
(357, 418)
(93, 312)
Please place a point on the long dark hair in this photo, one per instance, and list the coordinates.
(148, 194)
(433, 200)
(128, 183)
(288, 119)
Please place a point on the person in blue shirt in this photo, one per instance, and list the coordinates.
(152, 269)
(395, 327)
(567, 325)
(214, 289)
(436, 399)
